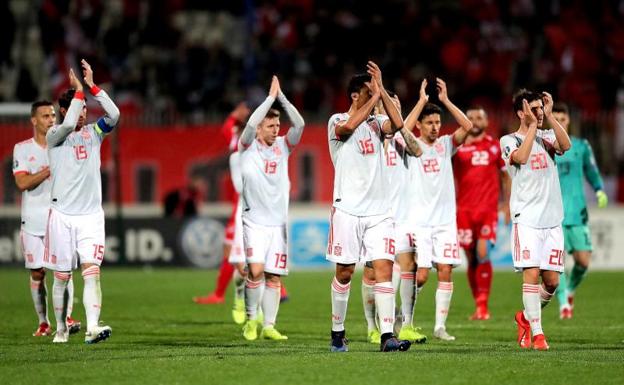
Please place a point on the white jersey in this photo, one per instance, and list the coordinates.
(30, 158)
(398, 176)
(235, 172)
(75, 160)
(266, 185)
(535, 191)
(432, 186)
(360, 180)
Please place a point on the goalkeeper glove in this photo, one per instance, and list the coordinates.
(602, 199)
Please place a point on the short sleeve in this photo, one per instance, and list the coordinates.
(508, 145)
(447, 140)
(20, 165)
(331, 126)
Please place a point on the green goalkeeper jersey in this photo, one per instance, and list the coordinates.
(576, 164)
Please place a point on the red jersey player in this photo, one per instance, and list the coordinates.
(478, 165)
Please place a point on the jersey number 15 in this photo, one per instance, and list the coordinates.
(81, 152)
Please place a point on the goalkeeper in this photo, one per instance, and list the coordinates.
(573, 166)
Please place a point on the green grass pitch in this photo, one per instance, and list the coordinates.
(161, 337)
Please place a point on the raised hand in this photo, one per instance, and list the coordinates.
(423, 91)
(548, 103)
(87, 73)
(74, 82)
(529, 117)
(442, 92)
(275, 87)
(373, 86)
(375, 72)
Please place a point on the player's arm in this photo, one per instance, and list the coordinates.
(346, 128)
(57, 133)
(293, 136)
(412, 118)
(235, 172)
(25, 181)
(562, 142)
(506, 188)
(249, 133)
(411, 144)
(592, 174)
(105, 124)
(395, 121)
(460, 134)
(521, 155)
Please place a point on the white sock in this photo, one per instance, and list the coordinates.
(70, 291)
(408, 296)
(384, 301)
(396, 277)
(92, 295)
(368, 301)
(270, 302)
(60, 298)
(340, 300)
(443, 303)
(253, 297)
(544, 296)
(239, 286)
(532, 307)
(39, 293)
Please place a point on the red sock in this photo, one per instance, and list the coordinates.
(483, 277)
(225, 276)
(283, 292)
(472, 278)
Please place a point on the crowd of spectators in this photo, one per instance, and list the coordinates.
(195, 59)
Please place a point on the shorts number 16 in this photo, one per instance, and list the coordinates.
(389, 246)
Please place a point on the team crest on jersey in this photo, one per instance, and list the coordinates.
(526, 254)
(493, 149)
(32, 158)
(85, 134)
(277, 151)
(439, 147)
(249, 252)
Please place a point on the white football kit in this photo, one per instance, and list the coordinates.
(361, 223)
(75, 230)
(396, 160)
(30, 158)
(236, 253)
(432, 203)
(535, 204)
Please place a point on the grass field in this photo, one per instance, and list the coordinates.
(161, 337)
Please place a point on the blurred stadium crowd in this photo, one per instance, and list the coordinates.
(191, 61)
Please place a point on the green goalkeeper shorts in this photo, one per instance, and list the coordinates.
(577, 238)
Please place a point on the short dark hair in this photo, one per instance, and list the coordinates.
(429, 109)
(66, 98)
(524, 93)
(476, 107)
(561, 107)
(273, 113)
(37, 104)
(357, 83)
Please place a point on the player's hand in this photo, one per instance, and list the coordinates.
(74, 82)
(529, 117)
(602, 199)
(275, 87)
(373, 87)
(375, 72)
(548, 103)
(442, 92)
(87, 73)
(423, 91)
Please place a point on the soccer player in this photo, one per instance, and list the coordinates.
(432, 194)
(536, 209)
(264, 169)
(477, 166)
(361, 223)
(573, 166)
(32, 177)
(75, 229)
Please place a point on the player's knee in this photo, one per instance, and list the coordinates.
(344, 273)
(37, 274)
(273, 278)
(421, 277)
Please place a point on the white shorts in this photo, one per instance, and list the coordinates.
(437, 244)
(405, 238)
(73, 239)
(236, 253)
(266, 245)
(354, 239)
(33, 247)
(541, 248)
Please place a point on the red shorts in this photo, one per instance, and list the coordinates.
(474, 225)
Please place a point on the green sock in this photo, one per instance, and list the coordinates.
(577, 275)
(562, 290)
